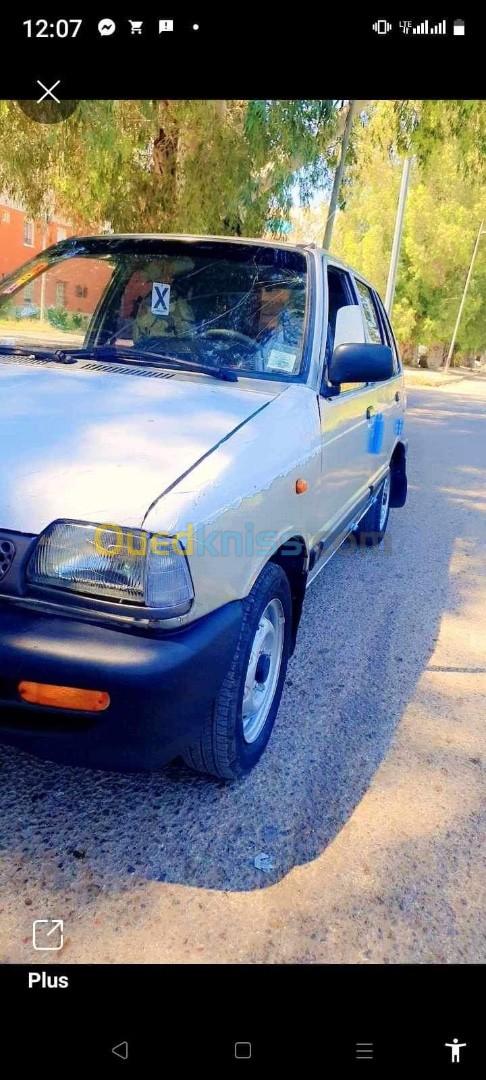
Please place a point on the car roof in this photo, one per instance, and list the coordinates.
(191, 238)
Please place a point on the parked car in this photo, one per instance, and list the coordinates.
(172, 488)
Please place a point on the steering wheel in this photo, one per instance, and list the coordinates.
(254, 363)
(231, 335)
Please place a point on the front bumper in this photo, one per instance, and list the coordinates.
(160, 687)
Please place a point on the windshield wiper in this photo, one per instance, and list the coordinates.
(107, 352)
(57, 355)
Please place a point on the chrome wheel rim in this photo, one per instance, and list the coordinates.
(384, 501)
(263, 670)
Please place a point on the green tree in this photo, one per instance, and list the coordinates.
(422, 126)
(188, 166)
(445, 205)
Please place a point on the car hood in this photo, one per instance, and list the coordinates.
(94, 442)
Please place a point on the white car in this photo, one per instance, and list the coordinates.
(173, 480)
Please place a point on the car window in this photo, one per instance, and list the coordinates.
(216, 303)
(240, 311)
(370, 313)
(340, 292)
(340, 295)
(389, 335)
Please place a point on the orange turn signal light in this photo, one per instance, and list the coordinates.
(301, 486)
(64, 697)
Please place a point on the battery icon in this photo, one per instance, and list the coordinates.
(459, 28)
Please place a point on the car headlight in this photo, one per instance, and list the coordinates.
(113, 563)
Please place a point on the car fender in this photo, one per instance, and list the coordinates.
(235, 509)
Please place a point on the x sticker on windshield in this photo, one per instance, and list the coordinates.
(160, 298)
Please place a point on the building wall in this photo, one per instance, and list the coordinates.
(75, 286)
(16, 234)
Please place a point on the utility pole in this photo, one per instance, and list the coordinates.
(397, 236)
(461, 305)
(338, 176)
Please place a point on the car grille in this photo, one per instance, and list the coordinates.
(114, 369)
(98, 366)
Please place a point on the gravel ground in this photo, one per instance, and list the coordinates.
(367, 801)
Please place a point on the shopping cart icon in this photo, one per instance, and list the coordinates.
(136, 26)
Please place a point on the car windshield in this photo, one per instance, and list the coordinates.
(222, 304)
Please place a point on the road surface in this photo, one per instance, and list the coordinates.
(367, 801)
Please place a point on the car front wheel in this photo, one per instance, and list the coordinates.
(240, 722)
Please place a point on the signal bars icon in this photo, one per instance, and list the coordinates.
(382, 26)
(426, 28)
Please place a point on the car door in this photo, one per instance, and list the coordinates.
(344, 423)
(383, 400)
(394, 389)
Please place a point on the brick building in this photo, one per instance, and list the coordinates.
(21, 238)
(74, 286)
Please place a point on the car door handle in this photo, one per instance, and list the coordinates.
(369, 412)
(397, 396)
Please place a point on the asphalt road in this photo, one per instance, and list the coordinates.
(367, 801)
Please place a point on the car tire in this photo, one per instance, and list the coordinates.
(372, 527)
(240, 722)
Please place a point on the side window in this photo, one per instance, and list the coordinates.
(370, 312)
(389, 335)
(341, 294)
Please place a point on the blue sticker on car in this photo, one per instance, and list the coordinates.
(376, 431)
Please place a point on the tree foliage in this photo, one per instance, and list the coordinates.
(233, 167)
(188, 166)
(422, 126)
(445, 205)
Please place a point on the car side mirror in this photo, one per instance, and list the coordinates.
(360, 362)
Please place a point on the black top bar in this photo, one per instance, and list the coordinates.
(257, 54)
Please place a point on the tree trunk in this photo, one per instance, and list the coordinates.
(338, 176)
(164, 157)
